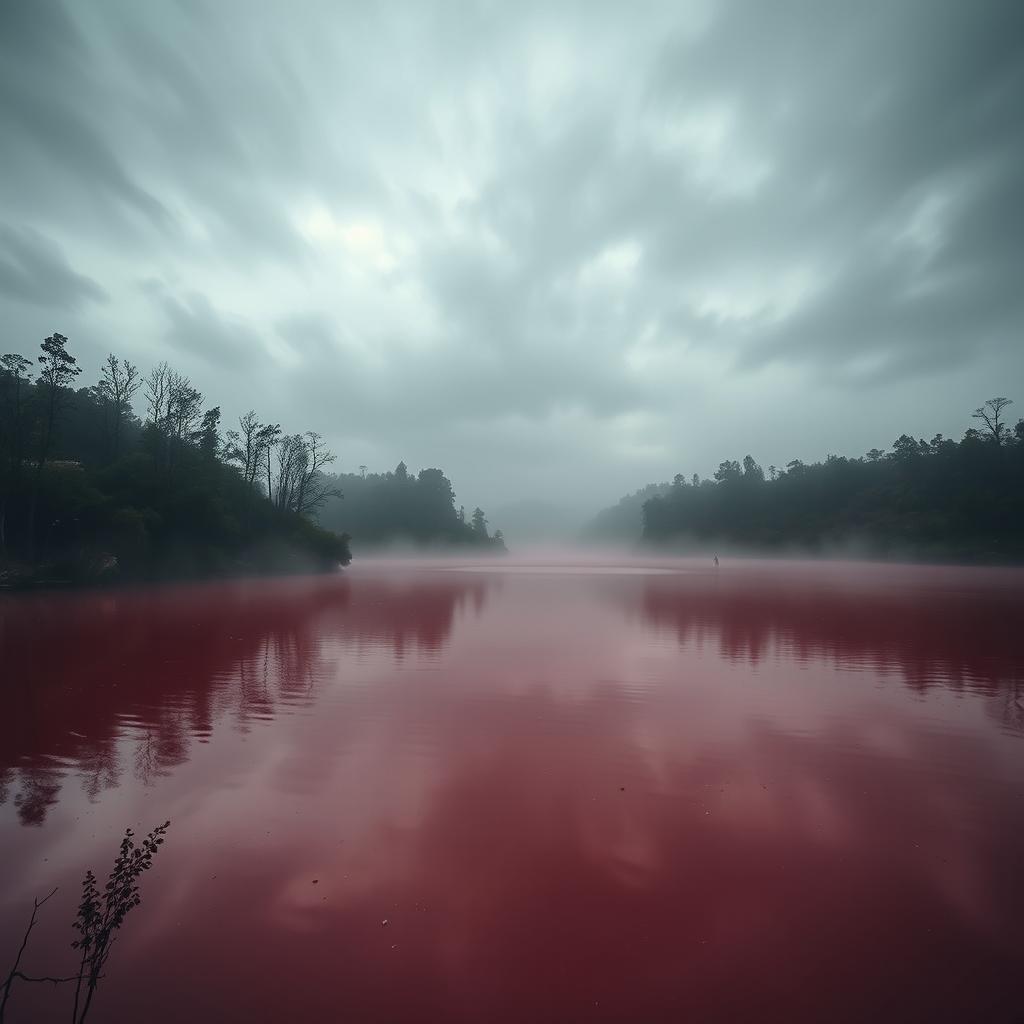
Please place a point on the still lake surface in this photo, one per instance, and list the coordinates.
(635, 791)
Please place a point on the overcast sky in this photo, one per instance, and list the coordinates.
(559, 250)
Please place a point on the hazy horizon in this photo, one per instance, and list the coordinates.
(559, 252)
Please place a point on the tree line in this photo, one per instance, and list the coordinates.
(89, 488)
(419, 508)
(943, 498)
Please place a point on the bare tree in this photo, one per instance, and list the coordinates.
(267, 438)
(290, 467)
(175, 409)
(157, 394)
(991, 414)
(244, 446)
(251, 427)
(119, 383)
(182, 416)
(300, 484)
(15, 973)
(314, 487)
(184, 409)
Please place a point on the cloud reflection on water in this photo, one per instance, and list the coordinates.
(631, 790)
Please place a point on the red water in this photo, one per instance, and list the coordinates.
(778, 792)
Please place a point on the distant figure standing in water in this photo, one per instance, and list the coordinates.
(716, 561)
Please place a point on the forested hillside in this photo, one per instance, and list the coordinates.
(939, 498)
(88, 490)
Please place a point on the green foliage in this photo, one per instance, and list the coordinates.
(938, 498)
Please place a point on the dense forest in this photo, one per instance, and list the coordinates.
(929, 499)
(382, 508)
(90, 491)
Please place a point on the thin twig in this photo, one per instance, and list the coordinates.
(53, 981)
(15, 973)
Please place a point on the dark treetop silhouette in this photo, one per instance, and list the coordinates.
(926, 499)
(88, 490)
(379, 508)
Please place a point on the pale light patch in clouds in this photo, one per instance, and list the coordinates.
(557, 250)
(613, 267)
(709, 142)
(926, 228)
(365, 244)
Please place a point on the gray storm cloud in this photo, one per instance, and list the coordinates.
(559, 250)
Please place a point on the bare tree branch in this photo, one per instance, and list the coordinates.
(991, 414)
(14, 972)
